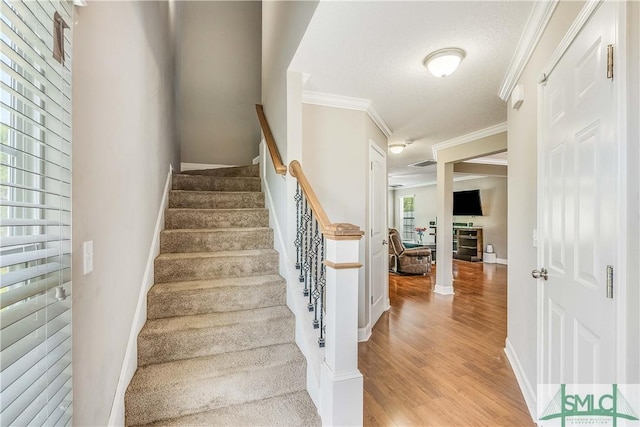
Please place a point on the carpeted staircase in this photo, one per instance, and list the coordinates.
(218, 346)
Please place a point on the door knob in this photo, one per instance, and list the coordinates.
(540, 273)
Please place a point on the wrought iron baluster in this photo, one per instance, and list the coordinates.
(305, 251)
(298, 241)
(315, 291)
(322, 283)
(310, 256)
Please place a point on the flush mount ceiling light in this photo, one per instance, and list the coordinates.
(396, 148)
(444, 62)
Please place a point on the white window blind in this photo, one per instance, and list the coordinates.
(35, 221)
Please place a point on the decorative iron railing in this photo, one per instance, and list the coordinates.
(310, 256)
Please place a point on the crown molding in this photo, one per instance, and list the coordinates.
(485, 161)
(349, 103)
(536, 24)
(483, 133)
(430, 183)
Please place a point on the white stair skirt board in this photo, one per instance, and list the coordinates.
(528, 392)
(130, 362)
(198, 166)
(305, 338)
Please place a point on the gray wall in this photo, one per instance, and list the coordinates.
(493, 192)
(522, 146)
(335, 153)
(219, 78)
(123, 144)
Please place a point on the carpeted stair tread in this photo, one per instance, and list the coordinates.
(215, 183)
(186, 337)
(215, 199)
(294, 409)
(220, 254)
(174, 389)
(216, 218)
(181, 372)
(217, 239)
(173, 324)
(249, 281)
(249, 170)
(217, 295)
(173, 267)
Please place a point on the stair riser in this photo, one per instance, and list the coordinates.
(214, 393)
(215, 200)
(187, 218)
(186, 242)
(242, 171)
(185, 269)
(187, 344)
(201, 301)
(215, 183)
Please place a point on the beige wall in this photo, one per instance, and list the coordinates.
(335, 153)
(493, 192)
(522, 141)
(123, 143)
(219, 81)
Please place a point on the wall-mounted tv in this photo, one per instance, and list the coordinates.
(467, 203)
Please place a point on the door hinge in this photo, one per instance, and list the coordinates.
(371, 165)
(610, 61)
(371, 299)
(609, 281)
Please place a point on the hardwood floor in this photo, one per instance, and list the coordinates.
(436, 360)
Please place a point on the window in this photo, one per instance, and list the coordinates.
(407, 217)
(35, 217)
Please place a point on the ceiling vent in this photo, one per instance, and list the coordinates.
(423, 164)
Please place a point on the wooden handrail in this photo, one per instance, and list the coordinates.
(332, 231)
(280, 167)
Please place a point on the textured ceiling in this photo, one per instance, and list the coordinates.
(374, 50)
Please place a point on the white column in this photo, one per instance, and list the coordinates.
(341, 382)
(444, 244)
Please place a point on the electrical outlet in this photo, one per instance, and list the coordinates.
(87, 257)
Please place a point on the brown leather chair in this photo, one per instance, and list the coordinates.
(403, 260)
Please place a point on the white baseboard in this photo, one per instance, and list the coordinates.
(364, 333)
(130, 362)
(443, 290)
(197, 166)
(501, 261)
(528, 392)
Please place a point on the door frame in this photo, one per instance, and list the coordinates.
(620, 277)
(387, 302)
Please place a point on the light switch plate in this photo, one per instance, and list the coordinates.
(87, 257)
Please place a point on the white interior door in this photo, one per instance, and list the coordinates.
(378, 245)
(578, 216)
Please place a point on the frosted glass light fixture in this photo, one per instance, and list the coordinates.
(396, 148)
(444, 62)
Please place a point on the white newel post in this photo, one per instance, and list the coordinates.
(341, 382)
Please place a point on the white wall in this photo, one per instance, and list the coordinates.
(522, 193)
(219, 81)
(335, 152)
(123, 144)
(493, 193)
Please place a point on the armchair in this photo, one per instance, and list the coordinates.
(403, 260)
